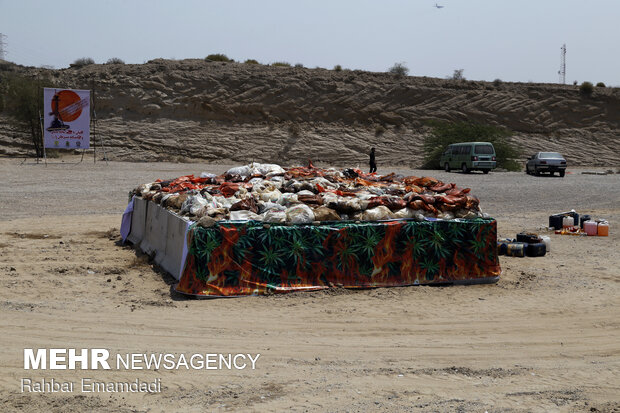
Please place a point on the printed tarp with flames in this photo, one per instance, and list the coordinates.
(246, 258)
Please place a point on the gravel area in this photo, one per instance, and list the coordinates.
(99, 188)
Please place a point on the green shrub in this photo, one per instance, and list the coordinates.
(338, 68)
(20, 97)
(497, 82)
(586, 89)
(446, 133)
(600, 84)
(299, 65)
(399, 69)
(115, 61)
(251, 62)
(83, 61)
(218, 57)
(281, 64)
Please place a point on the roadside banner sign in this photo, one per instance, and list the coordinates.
(66, 120)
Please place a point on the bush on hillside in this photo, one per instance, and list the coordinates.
(83, 61)
(218, 57)
(338, 68)
(251, 62)
(458, 74)
(399, 69)
(446, 133)
(115, 61)
(281, 64)
(600, 84)
(586, 89)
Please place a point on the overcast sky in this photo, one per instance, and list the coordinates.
(517, 40)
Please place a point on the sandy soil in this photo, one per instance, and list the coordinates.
(546, 337)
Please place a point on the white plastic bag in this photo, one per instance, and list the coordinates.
(267, 169)
(404, 213)
(447, 215)
(240, 170)
(325, 184)
(271, 196)
(377, 213)
(274, 216)
(223, 202)
(268, 206)
(256, 181)
(289, 199)
(243, 215)
(278, 181)
(299, 214)
(193, 204)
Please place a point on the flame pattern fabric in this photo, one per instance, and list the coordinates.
(250, 258)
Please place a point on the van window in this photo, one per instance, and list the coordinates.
(465, 150)
(484, 149)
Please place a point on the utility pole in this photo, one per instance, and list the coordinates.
(2, 44)
(562, 71)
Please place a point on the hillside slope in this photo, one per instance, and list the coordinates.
(233, 112)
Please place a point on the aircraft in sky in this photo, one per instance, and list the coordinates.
(438, 6)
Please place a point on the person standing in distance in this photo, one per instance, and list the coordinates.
(373, 163)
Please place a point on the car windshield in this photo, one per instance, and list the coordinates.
(547, 155)
(484, 149)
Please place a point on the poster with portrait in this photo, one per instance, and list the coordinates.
(66, 120)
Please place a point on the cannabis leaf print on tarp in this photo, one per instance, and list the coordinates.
(244, 258)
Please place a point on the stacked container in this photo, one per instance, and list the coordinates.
(600, 228)
(526, 244)
(591, 228)
(556, 221)
(568, 222)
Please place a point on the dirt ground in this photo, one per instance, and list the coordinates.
(545, 338)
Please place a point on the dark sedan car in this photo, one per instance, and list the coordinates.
(551, 162)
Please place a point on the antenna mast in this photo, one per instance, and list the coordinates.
(562, 71)
(2, 44)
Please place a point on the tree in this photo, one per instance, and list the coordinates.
(399, 69)
(458, 74)
(21, 99)
(446, 133)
